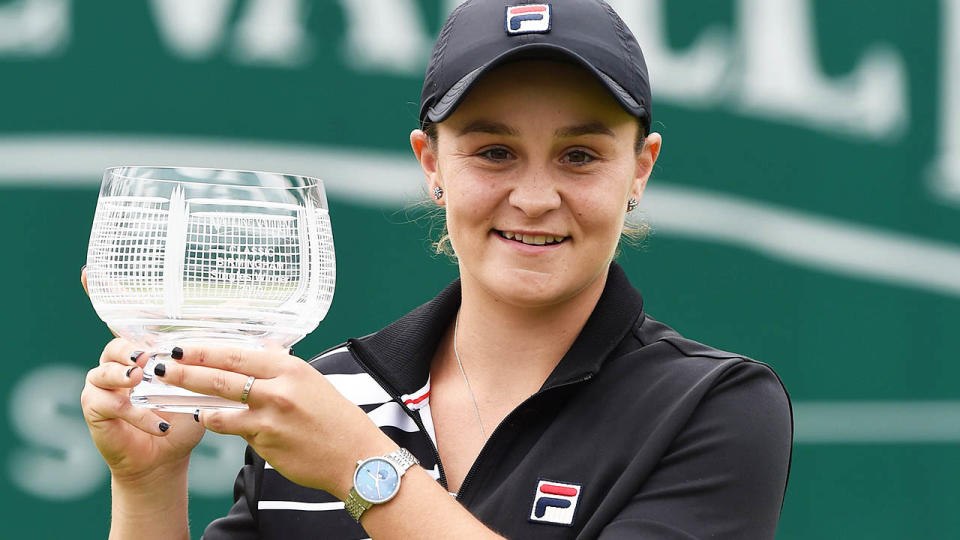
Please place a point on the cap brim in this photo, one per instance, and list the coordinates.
(532, 51)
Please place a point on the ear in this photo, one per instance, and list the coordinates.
(426, 154)
(645, 162)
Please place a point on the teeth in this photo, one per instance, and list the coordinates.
(536, 240)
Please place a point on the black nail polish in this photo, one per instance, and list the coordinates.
(196, 416)
(164, 426)
(129, 370)
(291, 352)
(160, 370)
(176, 353)
(134, 355)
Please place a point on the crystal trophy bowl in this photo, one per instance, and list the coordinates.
(214, 257)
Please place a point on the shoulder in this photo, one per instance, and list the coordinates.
(716, 430)
(685, 385)
(714, 397)
(655, 347)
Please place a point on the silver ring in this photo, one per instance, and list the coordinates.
(246, 389)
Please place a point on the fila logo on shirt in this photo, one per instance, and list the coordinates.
(555, 502)
(528, 19)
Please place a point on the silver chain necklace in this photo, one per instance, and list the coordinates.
(456, 353)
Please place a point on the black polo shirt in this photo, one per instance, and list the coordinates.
(637, 433)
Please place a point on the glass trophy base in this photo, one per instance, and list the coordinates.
(183, 403)
(154, 394)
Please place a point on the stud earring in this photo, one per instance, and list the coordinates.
(632, 204)
(437, 192)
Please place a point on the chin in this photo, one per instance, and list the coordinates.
(526, 288)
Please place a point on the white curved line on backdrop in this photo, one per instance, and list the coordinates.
(806, 239)
(876, 422)
(392, 179)
(78, 160)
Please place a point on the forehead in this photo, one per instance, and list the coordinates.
(541, 90)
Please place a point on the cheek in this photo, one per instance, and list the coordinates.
(603, 224)
(471, 204)
(471, 193)
(602, 211)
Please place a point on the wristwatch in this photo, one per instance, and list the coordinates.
(377, 480)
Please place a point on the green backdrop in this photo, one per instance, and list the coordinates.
(811, 158)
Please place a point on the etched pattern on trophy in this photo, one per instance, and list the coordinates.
(182, 256)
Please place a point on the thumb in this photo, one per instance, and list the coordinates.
(83, 279)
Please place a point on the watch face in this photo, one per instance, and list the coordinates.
(376, 480)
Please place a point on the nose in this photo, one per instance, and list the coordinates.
(535, 193)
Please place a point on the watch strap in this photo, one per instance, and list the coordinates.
(355, 505)
(403, 459)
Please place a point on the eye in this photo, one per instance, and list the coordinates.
(496, 154)
(578, 157)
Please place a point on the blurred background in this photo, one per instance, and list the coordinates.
(806, 212)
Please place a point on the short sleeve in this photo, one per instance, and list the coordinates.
(725, 474)
(240, 523)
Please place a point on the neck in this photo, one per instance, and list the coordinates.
(510, 350)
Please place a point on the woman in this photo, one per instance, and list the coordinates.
(535, 388)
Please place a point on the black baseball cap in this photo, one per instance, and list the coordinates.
(483, 34)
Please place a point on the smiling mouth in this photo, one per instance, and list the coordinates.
(532, 240)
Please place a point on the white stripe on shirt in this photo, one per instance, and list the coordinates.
(417, 399)
(293, 505)
(359, 388)
(392, 414)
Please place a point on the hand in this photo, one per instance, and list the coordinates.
(131, 439)
(296, 420)
(376, 480)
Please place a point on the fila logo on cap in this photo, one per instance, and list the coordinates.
(528, 19)
(555, 502)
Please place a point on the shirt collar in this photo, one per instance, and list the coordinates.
(400, 354)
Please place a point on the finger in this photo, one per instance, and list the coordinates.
(204, 380)
(121, 351)
(263, 364)
(144, 419)
(101, 405)
(83, 279)
(226, 421)
(111, 376)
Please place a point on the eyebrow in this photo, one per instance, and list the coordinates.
(499, 128)
(590, 128)
(490, 127)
